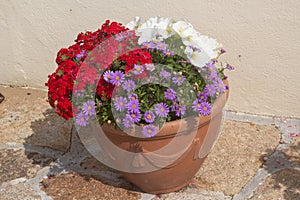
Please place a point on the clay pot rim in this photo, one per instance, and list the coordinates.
(167, 126)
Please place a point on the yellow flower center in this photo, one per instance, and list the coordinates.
(89, 108)
(148, 116)
(121, 103)
(205, 108)
(117, 78)
(82, 119)
(133, 115)
(149, 131)
(162, 110)
(133, 106)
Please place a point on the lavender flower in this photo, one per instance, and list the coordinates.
(127, 121)
(128, 85)
(88, 108)
(162, 110)
(81, 119)
(133, 106)
(170, 94)
(205, 109)
(107, 76)
(120, 103)
(135, 117)
(178, 79)
(149, 130)
(117, 77)
(168, 53)
(165, 74)
(149, 116)
(80, 55)
(138, 69)
(229, 67)
(150, 67)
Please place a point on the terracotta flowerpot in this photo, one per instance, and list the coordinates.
(173, 170)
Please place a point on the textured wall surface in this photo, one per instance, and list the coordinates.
(262, 39)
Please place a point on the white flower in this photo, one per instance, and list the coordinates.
(185, 30)
(198, 57)
(134, 24)
(155, 29)
(209, 45)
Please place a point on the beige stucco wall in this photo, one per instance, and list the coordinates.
(262, 39)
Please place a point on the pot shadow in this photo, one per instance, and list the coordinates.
(55, 143)
(284, 177)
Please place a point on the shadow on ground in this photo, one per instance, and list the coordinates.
(284, 183)
(58, 138)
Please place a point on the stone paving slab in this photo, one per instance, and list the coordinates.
(42, 158)
(248, 142)
(25, 116)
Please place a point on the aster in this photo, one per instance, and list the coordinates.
(180, 110)
(165, 74)
(135, 117)
(220, 86)
(202, 97)
(205, 109)
(196, 105)
(150, 67)
(149, 116)
(81, 119)
(107, 76)
(117, 77)
(210, 89)
(127, 121)
(120, 103)
(128, 85)
(133, 106)
(162, 110)
(161, 46)
(148, 45)
(133, 97)
(88, 108)
(138, 69)
(170, 94)
(168, 53)
(149, 130)
(178, 79)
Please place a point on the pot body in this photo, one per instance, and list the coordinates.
(170, 171)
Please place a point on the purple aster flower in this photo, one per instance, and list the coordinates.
(174, 105)
(180, 110)
(117, 77)
(133, 97)
(149, 130)
(196, 105)
(99, 103)
(78, 93)
(162, 110)
(107, 76)
(148, 45)
(165, 74)
(220, 86)
(170, 94)
(128, 85)
(150, 67)
(229, 67)
(222, 50)
(133, 106)
(81, 119)
(127, 121)
(168, 53)
(202, 97)
(149, 116)
(178, 79)
(210, 66)
(161, 46)
(205, 109)
(120, 103)
(213, 75)
(210, 89)
(135, 117)
(88, 108)
(80, 55)
(138, 69)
